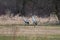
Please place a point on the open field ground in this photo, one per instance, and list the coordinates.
(32, 37)
(27, 30)
(17, 32)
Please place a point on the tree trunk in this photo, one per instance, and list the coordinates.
(57, 7)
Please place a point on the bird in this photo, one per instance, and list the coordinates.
(34, 20)
(26, 21)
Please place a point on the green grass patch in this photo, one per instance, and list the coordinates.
(6, 38)
(45, 37)
(9, 25)
(29, 25)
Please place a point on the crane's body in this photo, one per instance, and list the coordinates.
(26, 21)
(34, 20)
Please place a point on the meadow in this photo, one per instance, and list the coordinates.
(29, 32)
(46, 37)
(13, 28)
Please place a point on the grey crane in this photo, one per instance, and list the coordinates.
(34, 20)
(26, 21)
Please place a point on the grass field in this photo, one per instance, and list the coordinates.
(34, 36)
(8, 26)
(49, 37)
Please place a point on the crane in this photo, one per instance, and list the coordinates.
(34, 20)
(26, 21)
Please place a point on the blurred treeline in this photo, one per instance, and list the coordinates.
(40, 8)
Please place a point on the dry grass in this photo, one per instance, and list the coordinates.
(5, 19)
(29, 30)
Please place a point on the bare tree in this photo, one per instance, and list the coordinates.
(57, 9)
